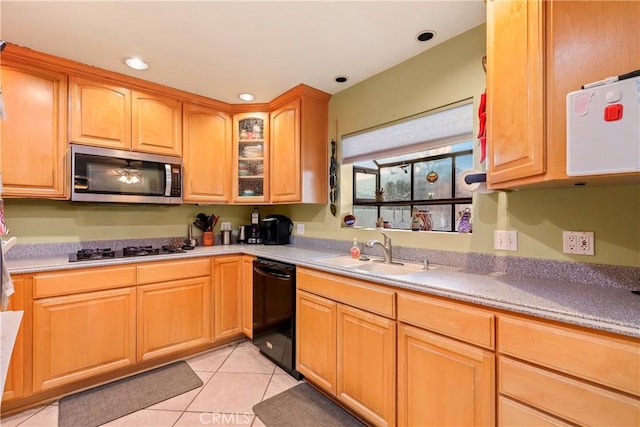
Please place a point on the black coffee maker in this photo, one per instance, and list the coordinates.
(277, 229)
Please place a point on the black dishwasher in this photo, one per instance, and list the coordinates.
(274, 293)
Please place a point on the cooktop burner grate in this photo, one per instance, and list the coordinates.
(127, 252)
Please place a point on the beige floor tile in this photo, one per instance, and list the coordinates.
(279, 371)
(47, 417)
(247, 359)
(147, 418)
(199, 419)
(231, 392)
(182, 401)
(278, 384)
(14, 420)
(210, 361)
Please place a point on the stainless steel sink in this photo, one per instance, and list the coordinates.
(340, 261)
(371, 266)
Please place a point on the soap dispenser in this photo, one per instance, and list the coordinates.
(355, 249)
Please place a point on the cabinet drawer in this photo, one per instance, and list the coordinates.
(513, 414)
(449, 318)
(610, 361)
(77, 281)
(573, 400)
(172, 270)
(353, 292)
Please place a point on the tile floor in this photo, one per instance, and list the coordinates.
(235, 377)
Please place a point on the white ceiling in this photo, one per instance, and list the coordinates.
(222, 48)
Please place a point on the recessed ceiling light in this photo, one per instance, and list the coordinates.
(246, 97)
(341, 79)
(426, 35)
(135, 63)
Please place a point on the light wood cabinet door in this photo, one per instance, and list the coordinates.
(206, 156)
(20, 364)
(156, 124)
(578, 53)
(100, 113)
(515, 89)
(366, 364)
(79, 336)
(285, 153)
(299, 146)
(316, 340)
(34, 134)
(247, 296)
(250, 171)
(538, 52)
(173, 316)
(443, 382)
(227, 296)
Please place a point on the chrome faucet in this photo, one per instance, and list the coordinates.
(386, 247)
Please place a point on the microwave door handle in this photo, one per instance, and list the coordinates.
(167, 180)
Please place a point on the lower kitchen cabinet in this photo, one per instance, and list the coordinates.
(174, 306)
(247, 296)
(173, 316)
(227, 296)
(82, 335)
(442, 381)
(16, 385)
(348, 351)
(512, 413)
(367, 364)
(446, 362)
(316, 340)
(581, 377)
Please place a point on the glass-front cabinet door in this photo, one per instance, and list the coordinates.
(251, 154)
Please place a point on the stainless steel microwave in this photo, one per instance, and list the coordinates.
(108, 175)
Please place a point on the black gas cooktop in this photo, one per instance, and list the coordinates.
(127, 252)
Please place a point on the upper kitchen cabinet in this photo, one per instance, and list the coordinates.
(156, 124)
(538, 52)
(100, 113)
(515, 92)
(298, 146)
(110, 115)
(250, 158)
(206, 154)
(34, 134)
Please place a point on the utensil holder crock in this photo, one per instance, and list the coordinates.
(207, 238)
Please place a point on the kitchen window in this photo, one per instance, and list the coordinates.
(418, 163)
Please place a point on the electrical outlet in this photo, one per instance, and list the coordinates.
(504, 240)
(578, 242)
(300, 229)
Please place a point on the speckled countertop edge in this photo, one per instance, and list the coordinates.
(608, 309)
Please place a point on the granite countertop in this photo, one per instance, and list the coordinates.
(593, 306)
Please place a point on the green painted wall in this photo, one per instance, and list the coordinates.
(447, 73)
(47, 221)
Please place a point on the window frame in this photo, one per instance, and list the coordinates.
(412, 203)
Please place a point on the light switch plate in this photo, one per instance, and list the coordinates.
(300, 229)
(504, 240)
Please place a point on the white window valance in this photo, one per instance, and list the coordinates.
(442, 127)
